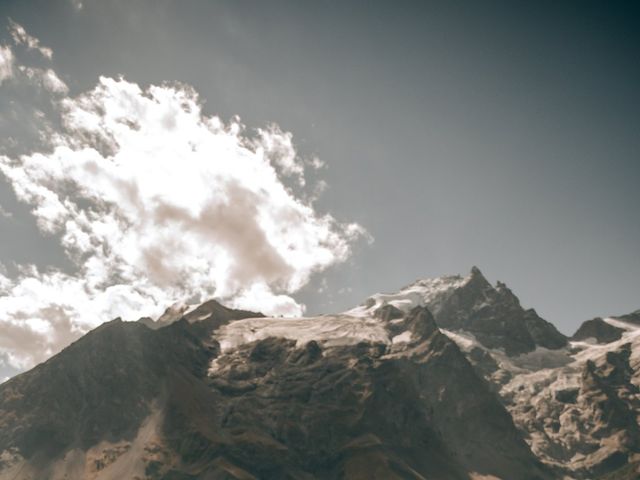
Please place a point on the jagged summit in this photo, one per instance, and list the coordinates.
(255, 399)
(448, 378)
(493, 315)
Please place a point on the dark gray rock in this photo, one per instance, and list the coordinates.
(496, 318)
(269, 409)
(388, 312)
(598, 329)
(633, 317)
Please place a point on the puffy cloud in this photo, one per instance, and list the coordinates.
(21, 37)
(155, 202)
(6, 63)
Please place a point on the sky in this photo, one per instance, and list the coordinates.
(296, 157)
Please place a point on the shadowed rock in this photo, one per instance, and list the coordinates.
(598, 329)
(494, 316)
(265, 409)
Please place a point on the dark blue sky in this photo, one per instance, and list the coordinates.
(499, 134)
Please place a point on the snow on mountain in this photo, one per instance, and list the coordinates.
(431, 292)
(568, 397)
(453, 360)
(329, 330)
(582, 416)
(614, 322)
(360, 324)
(492, 314)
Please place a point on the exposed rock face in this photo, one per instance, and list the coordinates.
(471, 304)
(599, 330)
(633, 317)
(111, 375)
(495, 317)
(544, 333)
(127, 401)
(577, 407)
(101, 389)
(482, 389)
(582, 417)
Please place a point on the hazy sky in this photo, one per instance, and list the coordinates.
(499, 134)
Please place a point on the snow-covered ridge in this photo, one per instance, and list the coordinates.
(550, 391)
(330, 330)
(346, 328)
(595, 351)
(614, 322)
(430, 291)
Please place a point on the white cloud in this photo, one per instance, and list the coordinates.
(316, 163)
(6, 63)
(156, 202)
(52, 82)
(4, 213)
(278, 146)
(21, 37)
(45, 78)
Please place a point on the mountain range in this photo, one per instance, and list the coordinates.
(448, 378)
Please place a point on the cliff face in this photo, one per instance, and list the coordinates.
(579, 406)
(482, 389)
(492, 314)
(128, 401)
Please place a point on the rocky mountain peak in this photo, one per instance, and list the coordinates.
(477, 278)
(496, 318)
(598, 330)
(448, 378)
(493, 315)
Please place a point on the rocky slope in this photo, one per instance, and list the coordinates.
(493, 315)
(576, 401)
(599, 330)
(481, 389)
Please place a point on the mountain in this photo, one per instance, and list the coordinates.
(492, 314)
(448, 378)
(598, 329)
(633, 317)
(577, 406)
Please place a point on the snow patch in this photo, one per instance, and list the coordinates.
(431, 291)
(404, 337)
(620, 324)
(465, 340)
(330, 330)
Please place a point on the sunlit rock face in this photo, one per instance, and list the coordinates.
(447, 378)
(578, 406)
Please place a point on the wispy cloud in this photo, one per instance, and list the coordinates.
(44, 78)
(6, 63)
(154, 201)
(21, 37)
(77, 4)
(4, 213)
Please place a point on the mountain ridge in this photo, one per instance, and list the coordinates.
(406, 385)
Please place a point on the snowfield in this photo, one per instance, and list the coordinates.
(346, 328)
(330, 330)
